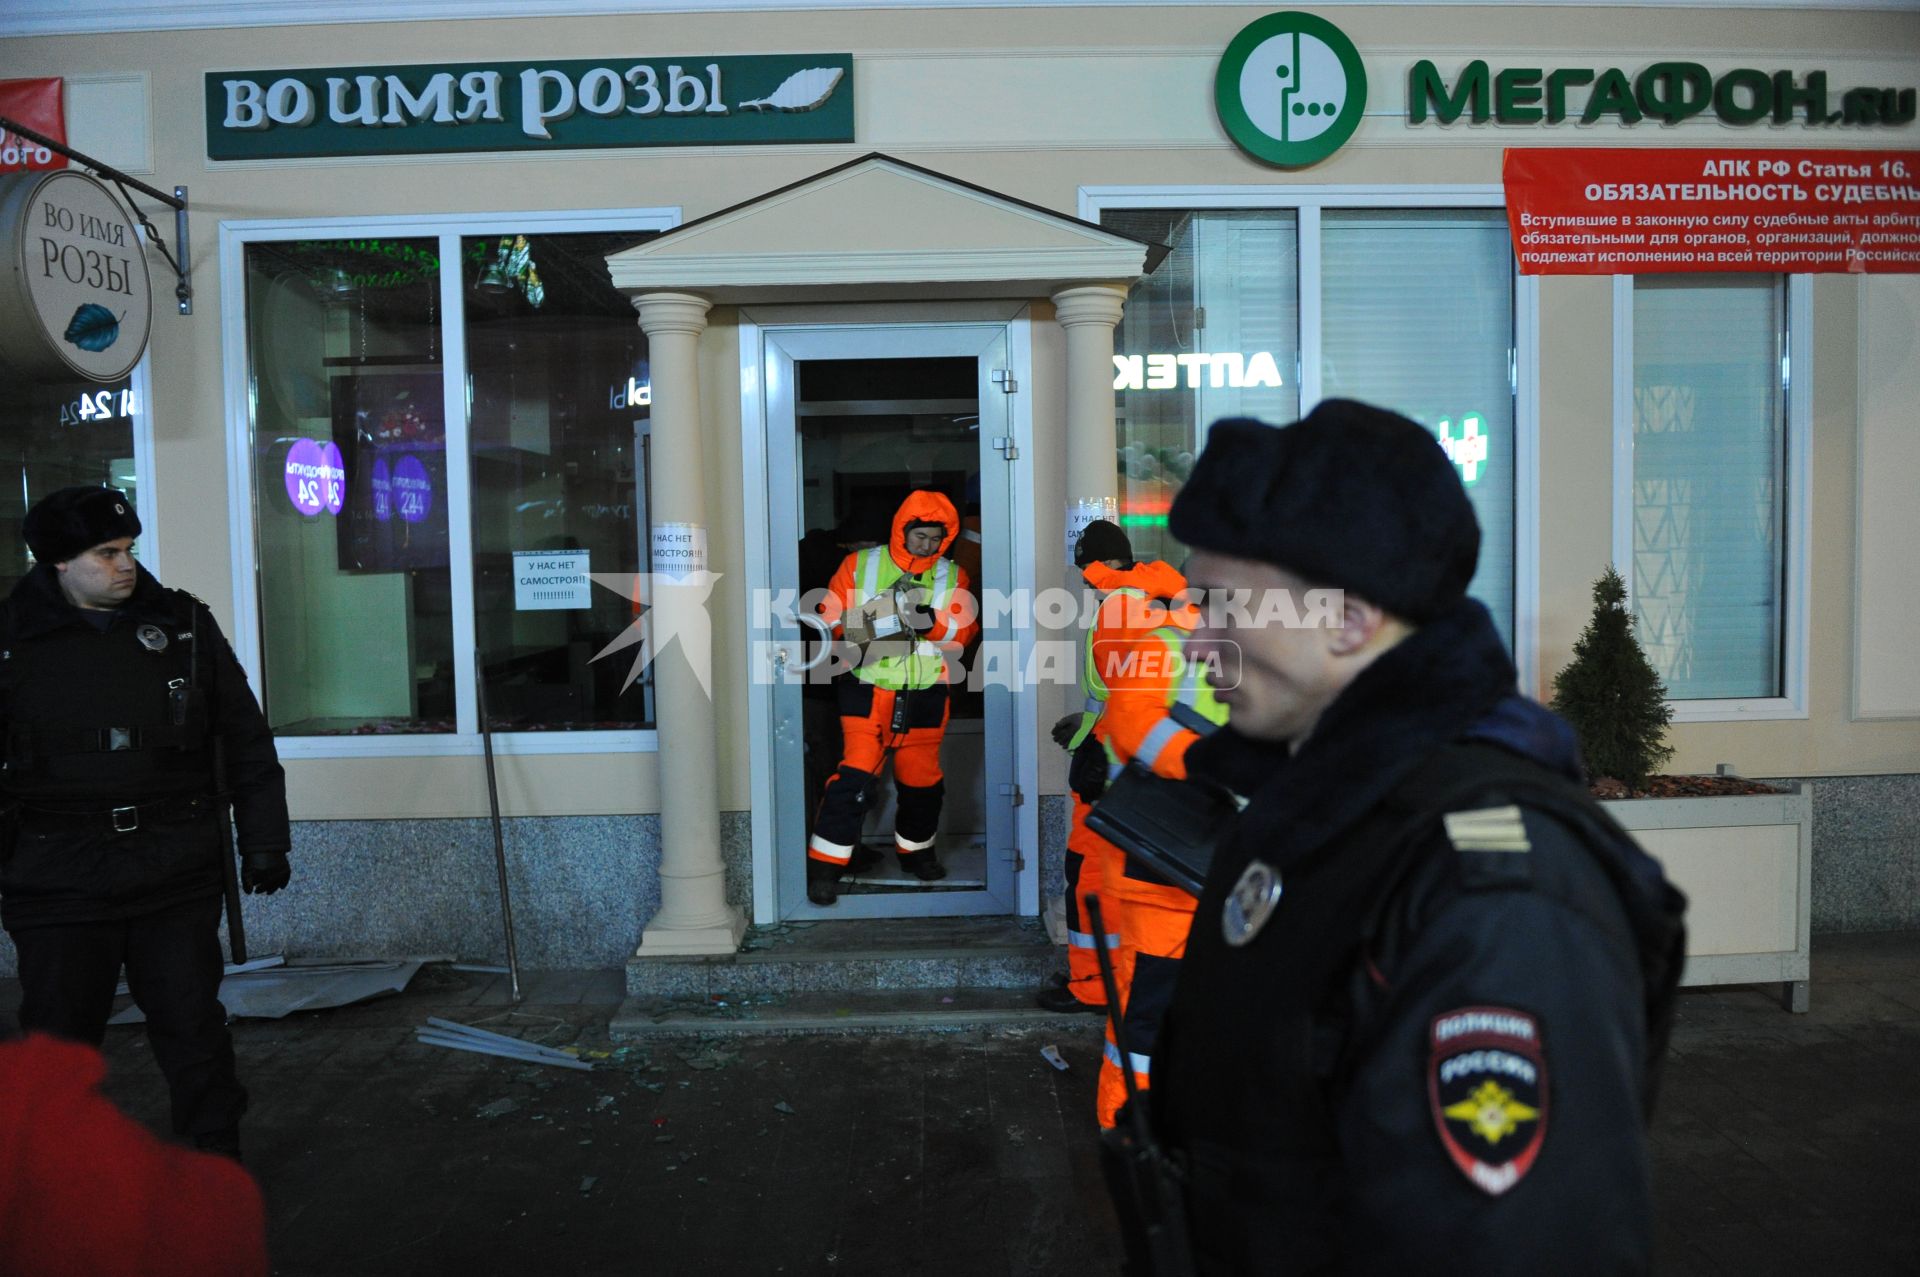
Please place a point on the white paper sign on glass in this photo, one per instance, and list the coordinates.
(551, 580)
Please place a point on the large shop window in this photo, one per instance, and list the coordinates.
(449, 447)
(1712, 483)
(67, 434)
(1412, 309)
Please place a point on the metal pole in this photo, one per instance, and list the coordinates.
(499, 841)
(178, 200)
(182, 291)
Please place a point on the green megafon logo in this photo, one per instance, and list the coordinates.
(1290, 89)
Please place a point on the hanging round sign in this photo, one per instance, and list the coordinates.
(75, 300)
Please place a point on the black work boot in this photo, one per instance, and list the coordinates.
(924, 865)
(821, 880)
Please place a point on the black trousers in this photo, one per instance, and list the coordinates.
(172, 957)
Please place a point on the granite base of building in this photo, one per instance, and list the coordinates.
(585, 886)
(583, 889)
(1866, 853)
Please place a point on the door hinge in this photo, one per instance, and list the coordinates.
(1007, 447)
(1003, 378)
(1013, 792)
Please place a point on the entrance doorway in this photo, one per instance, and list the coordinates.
(856, 419)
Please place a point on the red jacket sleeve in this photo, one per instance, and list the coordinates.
(85, 1190)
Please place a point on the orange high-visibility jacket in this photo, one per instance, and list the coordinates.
(1132, 660)
(955, 625)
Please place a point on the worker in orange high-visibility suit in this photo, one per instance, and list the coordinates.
(907, 611)
(1154, 709)
(1103, 547)
(1154, 716)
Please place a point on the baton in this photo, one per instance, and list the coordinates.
(1163, 1221)
(229, 874)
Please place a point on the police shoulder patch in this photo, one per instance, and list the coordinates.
(1498, 829)
(1487, 1089)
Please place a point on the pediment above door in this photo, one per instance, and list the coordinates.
(877, 229)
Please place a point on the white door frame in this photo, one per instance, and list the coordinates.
(754, 326)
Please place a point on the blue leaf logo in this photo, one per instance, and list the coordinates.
(93, 327)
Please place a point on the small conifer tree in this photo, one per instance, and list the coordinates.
(1611, 694)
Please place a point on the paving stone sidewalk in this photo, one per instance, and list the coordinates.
(1783, 1143)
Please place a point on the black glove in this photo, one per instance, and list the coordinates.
(1087, 773)
(264, 872)
(1065, 728)
(913, 610)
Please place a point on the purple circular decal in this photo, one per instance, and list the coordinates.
(334, 485)
(382, 490)
(412, 491)
(305, 477)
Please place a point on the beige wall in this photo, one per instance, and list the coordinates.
(1036, 104)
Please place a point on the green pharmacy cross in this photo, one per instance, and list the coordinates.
(1468, 450)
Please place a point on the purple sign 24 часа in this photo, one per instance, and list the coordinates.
(412, 490)
(316, 477)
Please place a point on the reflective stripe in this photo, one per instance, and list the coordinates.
(943, 586)
(1114, 766)
(1142, 1064)
(825, 850)
(1090, 681)
(875, 573)
(1189, 717)
(1084, 940)
(1163, 734)
(1191, 700)
(911, 847)
(1095, 705)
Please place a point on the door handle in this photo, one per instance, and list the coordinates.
(805, 620)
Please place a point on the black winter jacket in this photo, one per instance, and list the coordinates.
(91, 722)
(1439, 1052)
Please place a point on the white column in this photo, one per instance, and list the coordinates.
(694, 916)
(1089, 314)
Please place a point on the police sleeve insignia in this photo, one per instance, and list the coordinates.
(1487, 1089)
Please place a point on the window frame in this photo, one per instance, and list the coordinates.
(243, 492)
(1307, 202)
(1797, 400)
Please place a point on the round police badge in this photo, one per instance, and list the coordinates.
(1250, 903)
(152, 637)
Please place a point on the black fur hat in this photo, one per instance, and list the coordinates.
(74, 520)
(1350, 496)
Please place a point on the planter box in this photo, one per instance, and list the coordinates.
(1746, 864)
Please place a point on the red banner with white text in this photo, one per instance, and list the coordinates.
(1615, 211)
(37, 104)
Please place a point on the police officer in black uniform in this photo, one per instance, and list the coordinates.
(1429, 983)
(112, 692)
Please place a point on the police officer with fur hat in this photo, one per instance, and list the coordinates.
(1429, 982)
(113, 690)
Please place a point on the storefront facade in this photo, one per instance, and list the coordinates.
(500, 328)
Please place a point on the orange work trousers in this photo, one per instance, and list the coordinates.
(918, 783)
(1091, 861)
(1154, 921)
